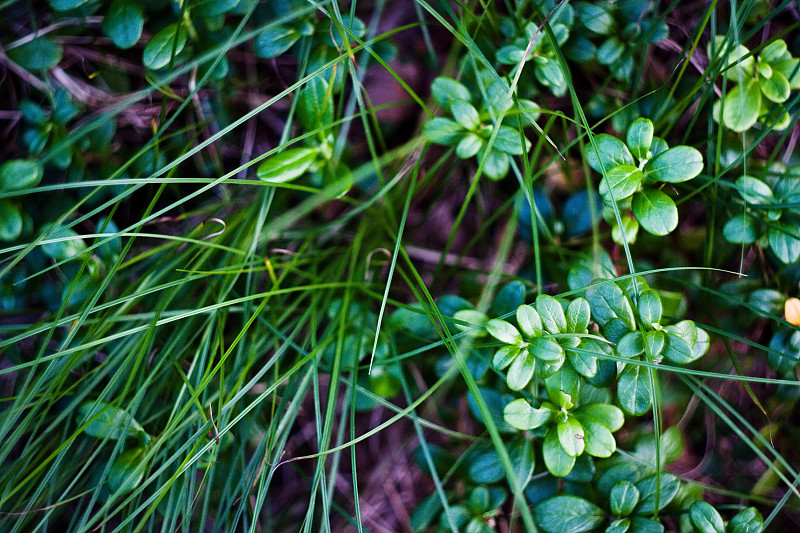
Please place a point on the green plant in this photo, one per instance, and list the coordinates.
(760, 84)
(637, 188)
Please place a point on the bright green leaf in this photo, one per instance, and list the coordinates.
(597, 437)
(676, 165)
(649, 307)
(633, 390)
(740, 229)
(522, 415)
(612, 152)
(578, 316)
(556, 459)
(624, 498)
(620, 182)
(315, 104)
(741, 106)
(287, 165)
(444, 90)
(568, 514)
(571, 436)
(127, 471)
(551, 313)
(504, 356)
(469, 145)
(503, 331)
(465, 114)
(521, 370)
(11, 223)
(640, 137)
(705, 518)
(158, 52)
(17, 174)
(655, 211)
(609, 415)
(107, 421)
(442, 130)
(784, 240)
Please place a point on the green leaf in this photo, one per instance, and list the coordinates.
(211, 8)
(107, 421)
(521, 370)
(631, 345)
(776, 88)
(504, 356)
(596, 18)
(612, 152)
(677, 350)
(11, 222)
(444, 90)
(127, 471)
(676, 165)
(42, 53)
(740, 229)
(469, 145)
(627, 232)
(274, 41)
(649, 307)
(654, 342)
(556, 459)
(315, 104)
(633, 390)
(607, 302)
(570, 436)
(485, 467)
(66, 5)
(287, 165)
(669, 486)
(622, 525)
(784, 240)
(503, 331)
(620, 182)
(705, 518)
(442, 130)
(775, 51)
(522, 415)
(529, 321)
(624, 498)
(159, 50)
(496, 165)
(17, 174)
(640, 524)
(741, 106)
(658, 146)
(563, 386)
(655, 211)
(510, 55)
(551, 313)
(754, 191)
(508, 140)
(610, 51)
(748, 520)
(610, 416)
(790, 68)
(465, 114)
(123, 23)
(584, 363)
(578, 315)
(71, 246)
(549, 74)
(547, 350)
(640, 137)
(568, 514)
(597, 437)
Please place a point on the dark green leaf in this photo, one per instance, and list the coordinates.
(596, 18)
(69, 245)
(624, 498)
(677, 350)
(211, 8)
(568, 514)
(740, 229)
(669, 485)
(705, 518)
(610, 51)
(607, 302)
(524, 416)
(11, 222)
(127, 471)
(17, 174)
(123, 23)
(649, 307)
(676, 165)
(620, 182)
(107, 421)
(158, 52)
(287, 165)
(748, 520)
(486, 467)
(754, 191)
(274, 41)
(640, 524)
(784, 240)
(633, 390)
(42, 53)
(315, 104)
(444, 90)
(584, 363)
(442, 130)
(612, 152)
(655, 211)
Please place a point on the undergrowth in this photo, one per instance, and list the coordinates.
(399, 266)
